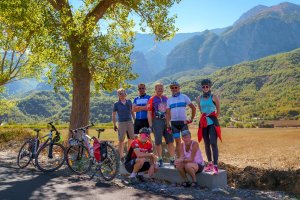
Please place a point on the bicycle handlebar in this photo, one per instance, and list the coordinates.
(83, 128)
(52, 126)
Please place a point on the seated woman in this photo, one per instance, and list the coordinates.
(190, 159)
(140, 157)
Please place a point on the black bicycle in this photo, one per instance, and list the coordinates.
(81, 155)
(48, 156)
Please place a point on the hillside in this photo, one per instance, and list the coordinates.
(260, 32)
(267, 88)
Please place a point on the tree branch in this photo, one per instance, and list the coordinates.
(99, 10)
(2, 63)
(54, 4)
(11, 61)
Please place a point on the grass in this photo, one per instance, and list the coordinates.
(276, 148)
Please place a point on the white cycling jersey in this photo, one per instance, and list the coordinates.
(177, 107)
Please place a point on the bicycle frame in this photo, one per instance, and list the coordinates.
(37, 144)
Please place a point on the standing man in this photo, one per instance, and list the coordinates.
(176, 113)
(123, 108)
(157, 122)
(140, 109)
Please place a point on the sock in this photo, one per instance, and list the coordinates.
(159, 158)
(172, 158)
(133, 174)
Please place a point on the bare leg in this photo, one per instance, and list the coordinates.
(129, 143)
(121, 149)
(182, 172)
(178, 142)
(159, 150)
(171, 149)
(191, 169)
(139, 162)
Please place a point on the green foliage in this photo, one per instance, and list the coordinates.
(44, 106)
(267, 88)
(15, 134)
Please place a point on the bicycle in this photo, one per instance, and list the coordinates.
(49, 155)
(81, 155)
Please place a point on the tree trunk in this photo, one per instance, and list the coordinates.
(81, 79)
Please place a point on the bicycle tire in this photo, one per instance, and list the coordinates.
(25, 152)
(78, 159)
(42, 157)
(112, 162)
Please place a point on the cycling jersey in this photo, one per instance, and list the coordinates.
(141, 101)
(177, 106)
(137, 144)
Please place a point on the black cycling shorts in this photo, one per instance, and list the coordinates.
(130, 164)
(140, 123)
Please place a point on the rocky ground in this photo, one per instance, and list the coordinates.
(248, 183)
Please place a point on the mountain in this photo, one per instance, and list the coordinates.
(20, 86)
(140, 66)
(267, 88)
(258, 33)
(251, 13)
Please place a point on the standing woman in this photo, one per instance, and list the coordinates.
(209, 127)
(123, 107)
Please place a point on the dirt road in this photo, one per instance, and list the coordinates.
(19, 184)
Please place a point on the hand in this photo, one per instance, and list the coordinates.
(150, 129)
(178, 161)
(115, 128)
(169, 130)
(188, 121)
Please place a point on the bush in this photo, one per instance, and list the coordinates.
(14, 134)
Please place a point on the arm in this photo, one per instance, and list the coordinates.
(149, 113)
(149, 117)
(168, 117)
(140, 154)
(133, 115)
(198, 103)
(192, 106)
(195, 147)
(216, 100)
(114, 118)
(136, 108)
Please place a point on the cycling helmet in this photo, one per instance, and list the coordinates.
(144, 130)
(174, 83)
(206, 82)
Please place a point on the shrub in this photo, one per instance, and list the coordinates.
(14, 134)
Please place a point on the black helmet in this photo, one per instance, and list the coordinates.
(144, 130)
(206, 82)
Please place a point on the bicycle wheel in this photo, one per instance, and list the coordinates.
(48, 161)
(109, 168)
(25, 154)
(78, 159)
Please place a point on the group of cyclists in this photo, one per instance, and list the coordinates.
(166, 117)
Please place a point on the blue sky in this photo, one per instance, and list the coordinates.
(199, 15)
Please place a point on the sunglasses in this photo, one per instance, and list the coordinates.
(205, 86)
(121, 94)
(174, 88)
(141, 88)
(144, 135)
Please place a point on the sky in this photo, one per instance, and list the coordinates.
(199, 15)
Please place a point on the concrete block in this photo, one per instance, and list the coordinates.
(204, 179)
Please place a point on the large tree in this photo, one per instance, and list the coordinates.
(90, 45)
